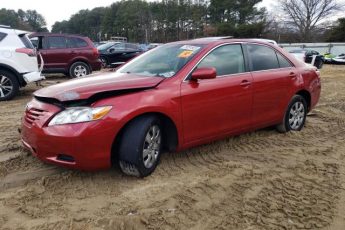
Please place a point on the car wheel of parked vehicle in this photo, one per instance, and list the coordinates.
(79, 69)
(320, 64)
(9, 86)
(141, 146)
(104, 62)
(295, 115)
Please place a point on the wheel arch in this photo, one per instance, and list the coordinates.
(307, 96)
(169, 131)
(79, 60)
(19, 77)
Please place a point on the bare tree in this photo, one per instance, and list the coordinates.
(306, 15)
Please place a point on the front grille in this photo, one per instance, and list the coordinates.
(33, 114)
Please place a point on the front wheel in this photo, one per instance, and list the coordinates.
(104, 62)
(295, 115)
(141, 146)
(79, 69)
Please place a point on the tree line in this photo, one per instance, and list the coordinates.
(171, 20)
(29, 20)
(168, 20)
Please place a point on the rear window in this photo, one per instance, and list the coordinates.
(2, 36)
(25, 40)
(76, 43)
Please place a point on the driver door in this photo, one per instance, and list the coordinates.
(214, 107)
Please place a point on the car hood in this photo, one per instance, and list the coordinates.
(84, 88)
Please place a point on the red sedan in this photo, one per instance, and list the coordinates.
(171, 98)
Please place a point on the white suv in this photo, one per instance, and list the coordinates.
(18, 62)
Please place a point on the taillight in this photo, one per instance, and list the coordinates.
(95, 52)
(29, 52)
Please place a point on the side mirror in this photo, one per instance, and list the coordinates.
(204, 73)
(111, 50)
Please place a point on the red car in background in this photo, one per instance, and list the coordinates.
(176, 96)
(73, 55)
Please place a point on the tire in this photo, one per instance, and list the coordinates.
(9, 85)
(79, 69)
(320, 64)
(104, 62)
(140, 146)
(295, 115)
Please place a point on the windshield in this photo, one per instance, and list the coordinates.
(106, 45)
(164, 61)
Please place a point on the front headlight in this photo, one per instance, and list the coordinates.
(79, 114)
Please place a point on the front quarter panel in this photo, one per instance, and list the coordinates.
(164, 99)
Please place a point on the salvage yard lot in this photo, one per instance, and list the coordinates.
(260, 180)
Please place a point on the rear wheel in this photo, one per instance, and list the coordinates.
(140, 147)
(319, 65)
(9, 86)
(79, 69)
(295, 115)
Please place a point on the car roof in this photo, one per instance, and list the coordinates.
(221, 40)
(54, 34)
(6, 28)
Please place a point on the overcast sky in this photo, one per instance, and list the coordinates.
(58, 10)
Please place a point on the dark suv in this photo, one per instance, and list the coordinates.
(72, 55)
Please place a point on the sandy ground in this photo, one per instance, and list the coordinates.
(260, 180)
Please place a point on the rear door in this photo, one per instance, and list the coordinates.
(55, 53)
(272, 76)
(78, 47)
(218, 106)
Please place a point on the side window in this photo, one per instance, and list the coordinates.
(79, 43)
(2, 36)
(283, 62)
(226, 59)
(131, 46)
(70, 42)
(119, 46)
(263, 57)
(56, 42)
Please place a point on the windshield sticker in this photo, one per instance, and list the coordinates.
(192, 48)
(185, 54)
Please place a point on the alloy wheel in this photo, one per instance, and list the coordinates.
(6, 86)
(104, 63)
(296, 115)
(80, 71)
(152, 146)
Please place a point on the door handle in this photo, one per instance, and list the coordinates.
(245, 83)
(292, 75)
